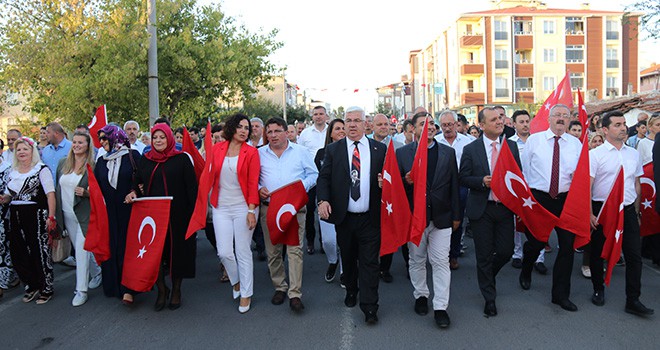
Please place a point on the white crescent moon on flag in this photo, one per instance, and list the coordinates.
(647, 181)
(147, 221)
(387, 176)
(507, 180)
(286, 208)
(91, 124)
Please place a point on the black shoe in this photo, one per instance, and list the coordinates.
(173, 306)
(296, 304)
(278, 298)
(341, 281)
(565, 304)
(371, 317)
(637, 308)
(441, 318)
(350, 300)
(540, 268)
(421, 306)
(516, 263)
(161, 300)
(261, 256)
(310, 250)
(386, 276)
(598, 298)
(525, 282)
(331, 272)
(490, 309)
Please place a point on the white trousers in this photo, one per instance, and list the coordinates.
(329, 240)
(86, 265)
(233, 239)
(435, 245)
(518, 248)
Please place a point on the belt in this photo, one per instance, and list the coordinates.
(495, 202)
(559, 195)
(357, 214)
(266, 203)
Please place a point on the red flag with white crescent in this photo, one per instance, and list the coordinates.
(611, 219)
(650, 218)
(285, 202)
(198, 218)
(395, 212)
(562, 95)
(97, 240)
(145, 238)
(418, 175)
(188, 146)
(583, 117)
(577, 208)
(99, 120)
(510, 187)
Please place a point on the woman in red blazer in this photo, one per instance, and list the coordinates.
(235, 201)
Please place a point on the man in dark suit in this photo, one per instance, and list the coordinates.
(491, 222)
(656, 167)
(349, 197)
(442, 217)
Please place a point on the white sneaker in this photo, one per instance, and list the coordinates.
(70, 261)
(586, 271)
(95, 282)
(79, 299)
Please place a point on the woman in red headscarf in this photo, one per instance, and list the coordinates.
(164, 171)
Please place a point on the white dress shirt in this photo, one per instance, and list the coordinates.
(362, 204)
(604, 163)
(537, 160)
(138, 146)
(488, 143)
(313, 139)
(459, 142)
(295, 163)
(519, 142)
(645, 149)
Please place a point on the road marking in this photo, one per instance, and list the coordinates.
(17, 299)
(347, 327)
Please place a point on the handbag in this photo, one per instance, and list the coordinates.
(61, 247)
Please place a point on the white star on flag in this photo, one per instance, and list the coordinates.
(547, 106)
(142, 251)
(647, 203)
(617, 235)
(388, 207)
(387, 176)
(528, 202)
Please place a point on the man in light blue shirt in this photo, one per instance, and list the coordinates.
(283, 162)
(58, 146)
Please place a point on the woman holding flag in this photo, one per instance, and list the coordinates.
(164, 171)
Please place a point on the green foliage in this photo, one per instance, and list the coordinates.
(69, 56)
(650, 21)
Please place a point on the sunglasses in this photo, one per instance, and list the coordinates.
(103, 138)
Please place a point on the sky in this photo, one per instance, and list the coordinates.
(333, 47)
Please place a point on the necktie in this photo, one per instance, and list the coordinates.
(493, 161)
(355, 173)
(554, 177)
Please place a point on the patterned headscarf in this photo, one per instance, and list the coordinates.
(116, 137)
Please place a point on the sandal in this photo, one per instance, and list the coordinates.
(44, 299)
(29, 296)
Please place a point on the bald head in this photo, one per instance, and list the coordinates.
(381, 127)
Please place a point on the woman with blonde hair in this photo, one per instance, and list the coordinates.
(73, 210)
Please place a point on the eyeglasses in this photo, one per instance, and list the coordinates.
(353, 121)
(447, 125)
(103, 138)
(561, 115)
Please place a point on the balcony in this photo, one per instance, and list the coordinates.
(501, 64)
(524, 42)
(612, 63)
(501, 35)
(472, 40)
(472, 69)
(501, 93)
(611, 35)
(525, 96)
(472, 98)
(524, 70)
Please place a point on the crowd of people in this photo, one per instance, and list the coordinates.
(44, 189)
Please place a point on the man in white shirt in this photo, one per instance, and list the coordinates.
(12, 136)
(256, 137)
(605, 162)
(283, 162)
(548, 163)
(452, 138)
(132, 130)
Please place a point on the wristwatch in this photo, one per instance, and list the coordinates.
(252, 211)
(319, 203)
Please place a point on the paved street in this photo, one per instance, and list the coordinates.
(209, 318)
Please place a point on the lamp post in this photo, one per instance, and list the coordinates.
(152, 55)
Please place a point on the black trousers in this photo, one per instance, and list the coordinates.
(561, 272)
(359, 244)
(310, 230)
(493, 245)
(631, 247)
(456, 235)
(386, 260)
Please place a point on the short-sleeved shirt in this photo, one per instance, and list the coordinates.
(604, 163)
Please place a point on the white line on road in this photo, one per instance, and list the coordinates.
(17, 299)
(347, 330)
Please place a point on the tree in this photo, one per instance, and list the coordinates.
(650, 20)
(70, 56)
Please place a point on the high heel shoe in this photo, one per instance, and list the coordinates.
(244, 309)
(235, 293)
(160, 302)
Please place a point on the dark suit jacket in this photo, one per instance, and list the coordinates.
(656, 167)
(334, 182)
(442, 192)
(474, 166)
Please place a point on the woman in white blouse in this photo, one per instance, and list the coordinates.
(73, 210)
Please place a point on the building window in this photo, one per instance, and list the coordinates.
(501, 87)
(470, 57)
(523, 56)
(524, 84)
(501, 59)
(522, 27)
(548, 55)
(612, 85)
(574, 53)
(574, 25)
(612, 58)
(577, 81)
(501, 32)
(548, 27)
(548, 83)
(470, 86)
(468, 29)
(612, 30)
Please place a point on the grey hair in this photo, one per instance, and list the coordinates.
(448, 111)
(352, 109)
(558, 105)
(258, 120)
(132, 122)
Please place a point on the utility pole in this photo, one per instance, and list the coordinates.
(284, 93)
(152, 55)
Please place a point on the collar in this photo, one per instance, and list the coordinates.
(549, 134)
(61, 144)
(363, 141)
(289, 145)
(611, 147)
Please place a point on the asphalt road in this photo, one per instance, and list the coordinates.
(209, 318)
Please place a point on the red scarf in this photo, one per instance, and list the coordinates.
(169, 151)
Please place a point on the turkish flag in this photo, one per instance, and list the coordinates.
(418, 175)
(188, 146)
(562, 95)
(281, 217)
(577, 208)
(198, 218)
(611, 219)
(356, 90)
(145, 238)
(395, 212)
(583, 117)
(97, 123)
(650, 218)
(97, 240)
(510, 187)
